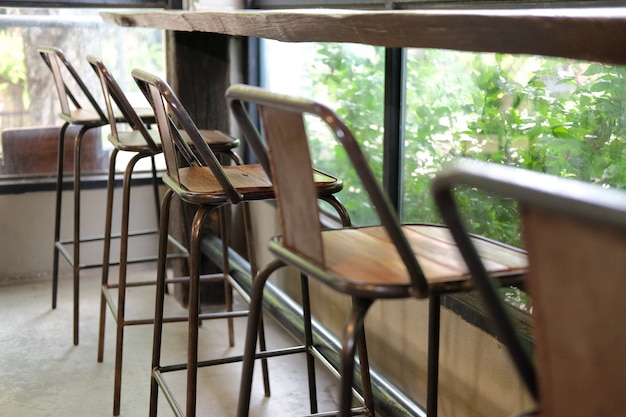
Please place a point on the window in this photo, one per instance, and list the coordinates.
(559, 116)
(88, 3)
(350, 79)
(29, 97)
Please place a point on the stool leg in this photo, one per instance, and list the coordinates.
(252, 332)
(121, 293)
(155, 192)
(352, 333)
(57, 214)
(434, 319)
(155, 187)
(249, 233)
(76, 262)
(106, 252)
(366, 381)
(225, 216)
(308, 341)
(194, 309)
(160, 298)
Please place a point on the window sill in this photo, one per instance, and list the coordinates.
(20, 184)
(471, 308)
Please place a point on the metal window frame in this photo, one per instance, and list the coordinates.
(159, 4)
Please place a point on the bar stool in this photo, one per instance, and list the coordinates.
(253, 138)
(208, 185)
(575, 234)
(72, 113)
(143, 141)
(391, 261)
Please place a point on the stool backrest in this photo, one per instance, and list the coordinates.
(575, 235)
(291, 170)
(112, 92)
(243, 116)
(175, 123)
(58, 64)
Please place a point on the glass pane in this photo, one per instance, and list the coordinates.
(349, 79)
(551, 115)
(558, 116)
(28, 97)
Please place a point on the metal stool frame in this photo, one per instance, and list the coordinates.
(144, 141)
(73, 114)
(230, 187)
(401, 277)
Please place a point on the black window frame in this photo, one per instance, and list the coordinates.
(159, 4)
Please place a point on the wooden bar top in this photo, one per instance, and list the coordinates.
(595, 34)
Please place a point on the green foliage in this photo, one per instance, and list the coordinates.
(354, 82)
(545, 114)
(12, 62)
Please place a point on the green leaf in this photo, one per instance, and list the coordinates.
(601, 86)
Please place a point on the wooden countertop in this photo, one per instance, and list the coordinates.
(596, 34)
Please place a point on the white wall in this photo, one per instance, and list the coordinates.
(27, 229)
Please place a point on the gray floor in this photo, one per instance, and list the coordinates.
(43, 374)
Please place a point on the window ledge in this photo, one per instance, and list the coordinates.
(471, 308)
(14, 184)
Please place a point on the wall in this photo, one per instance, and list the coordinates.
(27, 230)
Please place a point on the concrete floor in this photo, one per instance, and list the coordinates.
(43, 374)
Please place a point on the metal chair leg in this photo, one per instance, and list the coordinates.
(352, 333)
(225, 221)
(194, 309)
(155, 187)
(434, 320)
(364, 366)
(121, 293)
(252, 332)
(106, 252)
(249, 233)
(160, 298)
(57, 213)
(308, 341)
(155, 192)
(76, 243)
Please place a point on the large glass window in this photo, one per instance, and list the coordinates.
(350, 79)
(558, 116)
(28, 97)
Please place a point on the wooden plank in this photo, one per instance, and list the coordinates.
(577, 281)
(199, 71)
(596, 34)
(33, 151)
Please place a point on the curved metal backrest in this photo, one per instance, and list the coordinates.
(158, 93)
(55, 59)
(112, 90)
(292, 174)
(575, 235)
(250, 133)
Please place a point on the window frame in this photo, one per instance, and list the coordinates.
(94, 4)
(32, 179)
